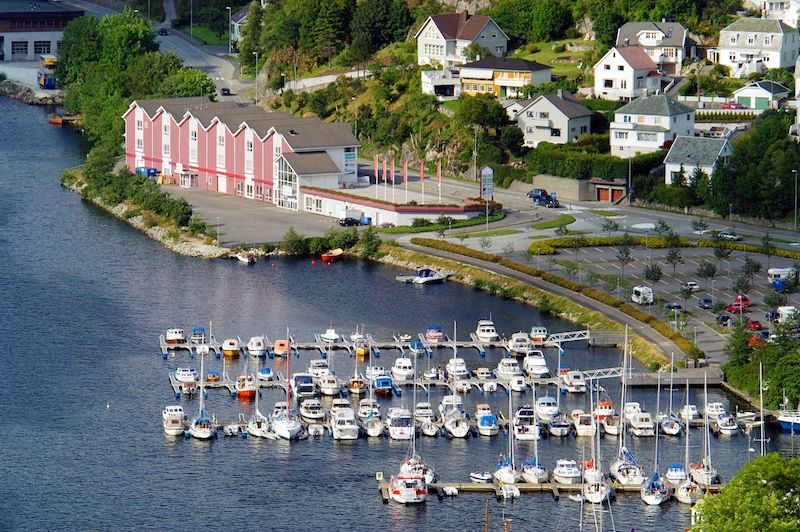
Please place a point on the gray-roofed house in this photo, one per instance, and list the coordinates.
(666, 43)
(762, 94)
(648, 124)
(442, 38)
(687, 154)
(625, 73)
(558, 118)
(752, 45)
(787, 11)
(503, 77)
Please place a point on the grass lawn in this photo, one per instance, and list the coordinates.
(452, 105)
(205, 35)
(564, 63)
(564, 219)
(602, 212)
(403, 229)
(497, 232)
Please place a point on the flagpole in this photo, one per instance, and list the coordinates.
(422, 179)
(385, 177)
(392, 179)
(439, 178)
(375, 168)
(405, 178)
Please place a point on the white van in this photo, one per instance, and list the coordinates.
(774, 274)
(786, 313)
(643, 295)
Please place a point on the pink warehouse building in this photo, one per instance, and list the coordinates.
(241, 150)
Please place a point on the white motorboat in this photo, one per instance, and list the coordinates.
(330, 336)
(453, 416)
(566, 472)
(338, 404)
(369, 408)
(538, 335)
(257, 346)
(423, 413)
(574, 382)
(330, 385)
(535, 365)
(303, 386)
(400, 423)
(175, 336)
(266, 374)
(428, 276)
(546, 408)
(343, 425)
(311, 410)
(318, 368)
(612, 425)
(509, 492)
(483, 374)
(585, 425)
(642, 425)
(726, 425)
(559, 426)
(676, 474)
(201, 427)
(285, 422)
(172, 420)
(480, 477)
(186, 374)
(688, 413)
(402, 370)
(456, 369)
(526, 428)
(246, 257)
(603, 408)
(714, 410)
(519, 344)
(485, 420)
(373, 372)
(231, 347)
(507, 369)
(630, 409)
(486, 332)
(518, 383)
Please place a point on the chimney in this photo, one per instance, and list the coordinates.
(627, 42)
(561, 93)
(463, 17)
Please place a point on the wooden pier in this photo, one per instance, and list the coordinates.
(229, 384)
(695, 376)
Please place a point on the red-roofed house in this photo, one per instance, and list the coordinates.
(442, 38)
(625, 73)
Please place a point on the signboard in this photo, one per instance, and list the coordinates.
(487, 182)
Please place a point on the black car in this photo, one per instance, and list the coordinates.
(673, 307)
(551, 203)
(724, 320)
(536, 193)
(771, 315)
(705, 302)
(348, 222)
(163, 31)
(225, 91)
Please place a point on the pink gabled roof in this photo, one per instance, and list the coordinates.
(636, 57)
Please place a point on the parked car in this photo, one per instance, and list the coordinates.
(673, 307)
(348, 222)
(727, 234)
(733, 105)
(551, 203)
(724, 320)
(163, 31)
(754, 325)
(736, 307)
(756, 341)
(705, 302)
(691, 285)
(536, 193)
(225, 91)
(771, 315)
(743, 299)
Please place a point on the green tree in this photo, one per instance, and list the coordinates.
(189, 82)
(146, 74)
(652, 272)
(124, 37)
(736, 347)
(370, 243)
(475, 50)
(250, 39)
(376, 23)
(751, 268)
(561, 231)
(721, 249)
(623, 254)
(80, 47)
(685, 293)
(673, 258)
(699, 225)
(549, 21)
(609, 226)
(661, 227)
(766, 248)
(742, 284)
(482, 110)
(294, 243)
(485, 243)
(706, 271)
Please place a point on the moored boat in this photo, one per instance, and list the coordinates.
(231, 347)
(330, 256)
(175, 336)
(566, 472)
(538, 335)
(311, 409)
(434, 334)
(507, 368)
(330, 385)
(257, 346)
(246, 257)
(402, 370)
(173, 418)
(519, 344)
(281, 348)
(400, 423)
(485, 420)
(343, 425)
(486, 332)
(245, 386)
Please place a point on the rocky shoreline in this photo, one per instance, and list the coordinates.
(17, 91)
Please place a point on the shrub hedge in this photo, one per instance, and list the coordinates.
(549, 247)
(555, 160)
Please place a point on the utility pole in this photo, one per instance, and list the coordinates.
(191, 18)
(795, 205)
(256, 54)
(229, 27)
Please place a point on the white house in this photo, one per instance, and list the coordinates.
(237, 23)
(556, 118)
(787, 11)
(513, 107)
(503, 77)
(751, 45)
(687, 154)
(625, 73)
(648, 123)
(442, 38)
(762, 94)
(666, 43)
(444, 84)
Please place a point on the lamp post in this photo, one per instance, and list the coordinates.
(355, 116)
(219, 242)
(256, 54)
(712, 291)
(148, 9)
(629, 175)
(229, 28)
(191, 19)
(795, 205)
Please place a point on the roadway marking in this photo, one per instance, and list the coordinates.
(740, 259)
(759, 293)
(583, 250)
(693, 262)
(600, 267)
(599, 251)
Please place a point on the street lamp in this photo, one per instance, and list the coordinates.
(256, 54)
(191, 19)
(712, 291)
(355, 115)
(229, 27)
(219, 242)
(795, 205)
(148, 9)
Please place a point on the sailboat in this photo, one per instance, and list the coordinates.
(688, 491)
(356, 385)
(201, 426)
(625, 469)
(258, 425)
(671, 424)
(656, 491)
(559, 425)
(506, 470)
(704, 473)
(595, 489)
(533, 471)
(285, 424)
(411, 484)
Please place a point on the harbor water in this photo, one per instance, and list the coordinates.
(84, 299)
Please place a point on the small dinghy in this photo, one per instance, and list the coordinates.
(481, 477)
(231, 430)
(450, 491)
(509, 491)
(316, 429)
(429, 429)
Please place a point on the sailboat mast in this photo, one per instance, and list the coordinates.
(686, 455)
(658, 404)
(510, 431)
(707, 438)
(536, 439)
(202, 384)
(671, 373)
(288, 371)
(761, 403)
(622, 395)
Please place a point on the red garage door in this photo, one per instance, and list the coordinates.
(603, 194)
(617, 194)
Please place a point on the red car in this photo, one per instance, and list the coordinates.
(733, 105)
(756, 341)
(743, 299)
(754, 325)
(736, 307)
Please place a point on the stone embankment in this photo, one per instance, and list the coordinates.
(28, 96)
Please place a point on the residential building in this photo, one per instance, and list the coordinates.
(752, 45)
(237, 23)
(648, 124)
(687, 154)
(240, 150)
(556, 118)
(442, 38)
(444, 84)
(625, 73)
(787, 11)
(666, 43)
(762, 94)
(502, 77)
(513, 107)
(29, 28)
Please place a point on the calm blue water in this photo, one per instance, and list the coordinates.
(84, 299)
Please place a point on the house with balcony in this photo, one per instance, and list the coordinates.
(502, 77)
(787, 11)
(688, 154)
(238, 149)
(753, 45)
(666, 43)
(441, 39)
(444, 84)
(648, 124)
(557, 118)
(625, 73)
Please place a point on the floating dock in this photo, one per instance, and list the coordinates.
(695, 376)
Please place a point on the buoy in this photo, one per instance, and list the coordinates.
(313, 263)
(273, 265)
(108, 406)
